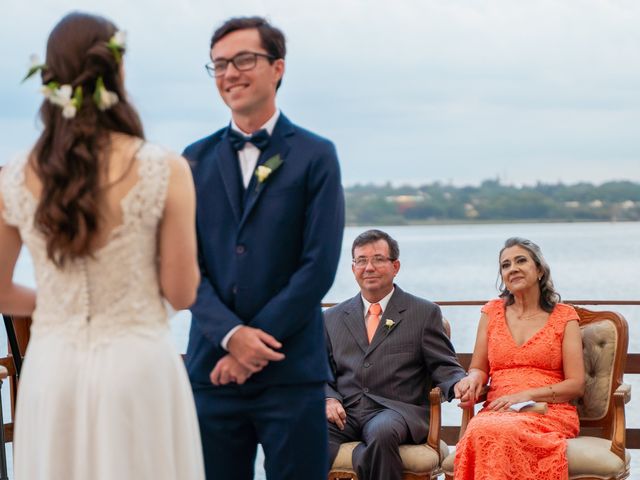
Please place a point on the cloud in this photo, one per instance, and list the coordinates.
(442, 90)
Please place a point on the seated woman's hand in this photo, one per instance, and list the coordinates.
(468, 389)
(502, 404)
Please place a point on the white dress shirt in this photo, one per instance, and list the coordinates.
(248, 158)
(383, 304)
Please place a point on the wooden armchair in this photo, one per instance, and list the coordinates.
(18, 336)
(420, 462)
(599, 452)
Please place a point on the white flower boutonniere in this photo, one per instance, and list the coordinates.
(388, 324)
(267, 168)
(262, 173)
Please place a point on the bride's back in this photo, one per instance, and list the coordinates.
(117, 286)
(117, 175)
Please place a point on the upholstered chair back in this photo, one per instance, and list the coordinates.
(599, 340)
(605, 339)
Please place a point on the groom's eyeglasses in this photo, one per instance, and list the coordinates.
(243, 61)
(377, 261)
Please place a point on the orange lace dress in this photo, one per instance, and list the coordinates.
(511, 445)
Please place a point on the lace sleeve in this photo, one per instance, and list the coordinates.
(13, 193)
(491, 306)
(567, 312)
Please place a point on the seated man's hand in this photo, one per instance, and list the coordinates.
(229, 370)
(468, 389)
(254, 348)
(336, 413)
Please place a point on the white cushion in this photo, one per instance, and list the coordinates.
(587, 457)
(415, 458)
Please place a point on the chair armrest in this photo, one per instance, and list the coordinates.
(4, 373)
(626, 391)
(469, 412)
(435, 419)
(618, 440)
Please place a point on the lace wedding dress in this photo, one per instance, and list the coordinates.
(103, 392)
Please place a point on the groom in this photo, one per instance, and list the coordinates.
(270, 218)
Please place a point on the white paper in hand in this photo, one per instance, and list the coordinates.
(516, 407)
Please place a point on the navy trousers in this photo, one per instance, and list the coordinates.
(289, 421)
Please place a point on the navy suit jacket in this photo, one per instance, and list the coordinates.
(400, 365)
(269, 254)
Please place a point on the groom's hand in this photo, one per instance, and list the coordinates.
(228, 370)
(254, 348)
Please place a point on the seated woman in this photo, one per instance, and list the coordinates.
(529, 346)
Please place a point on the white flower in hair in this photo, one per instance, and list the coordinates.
(46, 91)
(61, 95)
(103, 98)
(69, 110)
(117, 44)
(34, 61)
(35, 65)
(119, 39)
(108, 100)
(64, 96)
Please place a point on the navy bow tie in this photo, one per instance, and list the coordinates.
(260, 139)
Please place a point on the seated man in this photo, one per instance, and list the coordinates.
(386, 349)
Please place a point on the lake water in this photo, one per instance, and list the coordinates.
(596, 261)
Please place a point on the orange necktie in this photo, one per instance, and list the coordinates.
(373, 319)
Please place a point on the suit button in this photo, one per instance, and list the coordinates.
(366, 390)
(240, 249)
(234, 289)
(367, 365)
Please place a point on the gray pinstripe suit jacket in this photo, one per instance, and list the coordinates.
(401, 364)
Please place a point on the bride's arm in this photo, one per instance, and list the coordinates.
(14, 299)
(179, 272)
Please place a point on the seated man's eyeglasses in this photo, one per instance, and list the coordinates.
(243, 61)
(376, 261)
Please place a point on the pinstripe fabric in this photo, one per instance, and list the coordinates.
(401, 364)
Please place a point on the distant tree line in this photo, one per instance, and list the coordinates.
(492, 201)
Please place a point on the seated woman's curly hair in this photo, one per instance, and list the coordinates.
(67, 155)
(548, 295)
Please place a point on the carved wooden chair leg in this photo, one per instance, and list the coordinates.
(3, 453)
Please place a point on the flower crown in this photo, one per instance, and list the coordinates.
(70, 99)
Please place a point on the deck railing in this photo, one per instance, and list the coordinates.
(449, 433)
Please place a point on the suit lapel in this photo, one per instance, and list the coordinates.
(354, 321)
(394, 312)
(230, 173)
(278, 145)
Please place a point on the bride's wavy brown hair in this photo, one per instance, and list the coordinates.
(67, 155)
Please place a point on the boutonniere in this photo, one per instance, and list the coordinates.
(267, 168)
(388, 324)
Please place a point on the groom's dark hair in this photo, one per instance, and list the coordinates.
(272, 38)
(372, 236)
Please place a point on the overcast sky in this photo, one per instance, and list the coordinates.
(409, 90)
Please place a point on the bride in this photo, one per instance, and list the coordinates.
(109, 222)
